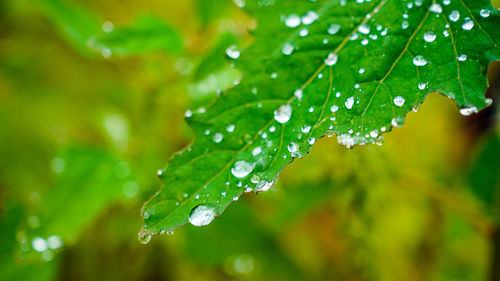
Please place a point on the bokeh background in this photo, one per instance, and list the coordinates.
(92, 102)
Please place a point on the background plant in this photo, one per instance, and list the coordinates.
(85, 127)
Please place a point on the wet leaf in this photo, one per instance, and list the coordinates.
(348, 68)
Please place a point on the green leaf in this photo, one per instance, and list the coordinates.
(348, 68)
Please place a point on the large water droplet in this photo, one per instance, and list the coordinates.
(283, 113)
(485, 13)
(202, 215)
(242, 169)
(349, 102)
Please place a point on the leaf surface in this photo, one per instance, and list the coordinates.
(338, 67)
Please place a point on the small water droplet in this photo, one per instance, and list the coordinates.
(292, 21)
(429, 36)
(468, 24)
(331, 59)
(233, 52)
(485, 13)
(419, 61)
(454, 16)
(334, 28)
(399, 101)
(218, 137)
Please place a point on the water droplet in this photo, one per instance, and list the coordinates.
(311, 140)
(242, 169)
(422, 86)
(462, 57)
(54, 242)
(419, 61)
(218, 137)
(399, 101)
(39, 244)
(468, 24)
(349, 102)
(309, 18)
(334, 108)
(364, 29)
(256, 151)
(436, 8)
(202, 215)
(144, 238)
(374, 134)
(485, 13)
(454, 16)
(230, 128)
(405, 25)
(292, 21)
(429, 36)
(306, 129)
(331, 59)
(304, 32)
(298, 93)
(283, 113)
(334, 28)
(233, 52)
(468, 110)
(287, 49)
(294, 150)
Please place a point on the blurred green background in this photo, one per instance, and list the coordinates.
(92, 101)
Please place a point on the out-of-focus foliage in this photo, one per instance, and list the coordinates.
(81, 136)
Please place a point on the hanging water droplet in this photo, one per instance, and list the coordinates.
(283, 113)
(144, 238)
(242, 169)
(202, 215)
(468, 110)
